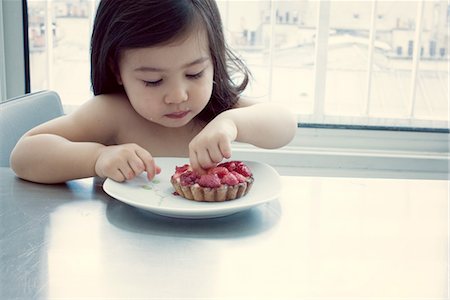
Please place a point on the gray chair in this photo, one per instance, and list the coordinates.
(20, 114)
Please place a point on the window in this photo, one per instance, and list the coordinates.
(410, 48)
(339, 74)
(432, 48)
(63, 67)
(336, 63)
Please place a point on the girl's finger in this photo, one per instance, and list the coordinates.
(204, 159)
(225, 149)
(158, 170)
(195, 163)
(126, 171)
(215, 155)
(117, 175)
(193, 160)
(137, 166)
(149, 163)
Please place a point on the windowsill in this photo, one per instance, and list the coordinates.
(357, 153)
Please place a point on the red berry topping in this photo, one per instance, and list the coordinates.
(230, 179)
(230, 165)
(209, 180)
(229, 173)
(219, 171)
(182, 169)
(237, 166)
(240, 178)
(188, 178)
(244, 170)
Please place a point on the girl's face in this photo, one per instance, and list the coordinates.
(169, 84)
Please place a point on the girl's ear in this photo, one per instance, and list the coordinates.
(116, 72)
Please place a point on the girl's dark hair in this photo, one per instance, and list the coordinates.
(126, 24)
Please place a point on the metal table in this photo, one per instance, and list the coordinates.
(333, 238)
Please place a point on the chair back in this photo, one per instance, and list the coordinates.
(20, 114)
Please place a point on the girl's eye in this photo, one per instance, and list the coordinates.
(195, 76)
(153, 83)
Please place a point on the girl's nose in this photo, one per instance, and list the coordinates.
(176, 94)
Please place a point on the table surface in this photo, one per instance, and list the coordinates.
(324, 238)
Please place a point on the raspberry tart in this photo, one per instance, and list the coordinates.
(227, 181)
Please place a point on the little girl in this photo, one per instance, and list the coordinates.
(160, 73)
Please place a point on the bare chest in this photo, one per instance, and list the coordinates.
(159, 141)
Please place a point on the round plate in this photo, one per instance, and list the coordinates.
(158, 196)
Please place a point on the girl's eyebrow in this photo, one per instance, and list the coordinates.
(153, 69)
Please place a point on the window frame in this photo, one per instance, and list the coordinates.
(2, 58)
(15, 78)
(329, 149)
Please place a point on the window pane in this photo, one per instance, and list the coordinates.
(391, 99)
(369, 63)
(276, 40)
(347, 58)
(432, 100)
(390, 95)
(246, 34)
(392, 78)
(63, 67)
(293, 62)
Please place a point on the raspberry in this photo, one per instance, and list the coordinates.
(230, 179)
(188, 178)
(243, 170)
(209, 180)
(219, 171)
(239, 177)
(182, 169)
(237, 166)
(230, 165)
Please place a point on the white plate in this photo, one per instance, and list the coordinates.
(157, 196)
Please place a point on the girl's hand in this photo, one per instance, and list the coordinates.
(124, 162)
(212, 144)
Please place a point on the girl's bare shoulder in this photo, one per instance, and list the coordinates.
(107, 104)
(98, 119)
(110, 109)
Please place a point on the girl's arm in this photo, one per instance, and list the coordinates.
(50, 158)
(79, 146)
(265, 125)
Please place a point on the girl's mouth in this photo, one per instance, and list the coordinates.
(178, 114)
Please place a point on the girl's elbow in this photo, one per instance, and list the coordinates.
(290, 127)
(19, 160)
(284, 133)
(16, 162)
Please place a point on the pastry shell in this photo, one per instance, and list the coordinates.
(222, 193)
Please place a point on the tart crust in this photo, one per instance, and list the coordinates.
(222, 193)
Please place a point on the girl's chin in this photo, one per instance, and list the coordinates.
(173, 123)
